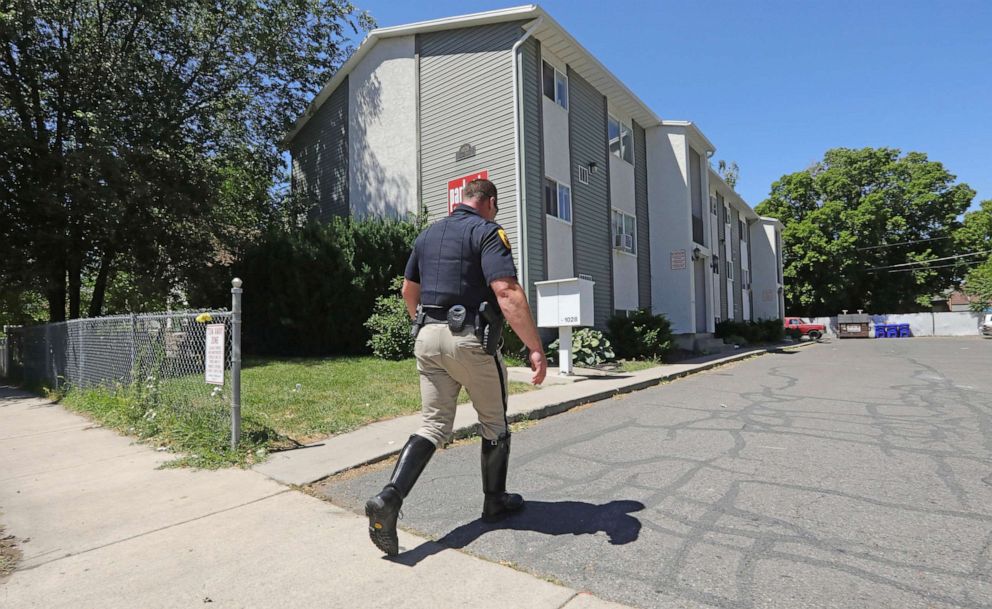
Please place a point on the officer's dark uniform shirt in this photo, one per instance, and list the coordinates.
(456, 258)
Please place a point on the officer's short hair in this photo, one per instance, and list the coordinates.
(479, 188)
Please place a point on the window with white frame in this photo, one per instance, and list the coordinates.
(555, 85)
(624, 232)
(621, 140)
(557, 200)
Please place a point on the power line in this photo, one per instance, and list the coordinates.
(939, 266)
(875, 247)
(894, 266)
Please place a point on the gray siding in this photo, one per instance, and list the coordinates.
(466, 97)
(722, 252)
(641, 207)
(320, 157)
(735, 240)
(591, 202)
(533, 157)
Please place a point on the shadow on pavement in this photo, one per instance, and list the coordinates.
(547, 517)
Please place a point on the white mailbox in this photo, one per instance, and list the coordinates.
(564, 302)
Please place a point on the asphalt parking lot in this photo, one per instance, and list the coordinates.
(853, 473)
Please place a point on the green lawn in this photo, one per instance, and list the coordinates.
(634, 365)
(283, 401)
(334, 396)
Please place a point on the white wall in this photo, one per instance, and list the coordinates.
(765, 296)
(964, 323)
(670, 223)
(382, 131)
(559, 254)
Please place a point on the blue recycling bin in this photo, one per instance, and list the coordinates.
(880, 330)
(891, 330)
(904, 331)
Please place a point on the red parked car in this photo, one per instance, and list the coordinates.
(813, 331)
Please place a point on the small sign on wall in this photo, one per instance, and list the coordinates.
(457, 187)
(214, 368)
(678, 260)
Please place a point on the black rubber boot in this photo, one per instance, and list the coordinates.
(495, 460)
(384, 508)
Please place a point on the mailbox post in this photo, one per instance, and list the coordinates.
(564, 304)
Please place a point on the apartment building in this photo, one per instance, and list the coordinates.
(592, 182)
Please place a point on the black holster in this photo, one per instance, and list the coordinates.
(417, 323)
(489, 328)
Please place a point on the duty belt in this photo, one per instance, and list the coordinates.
(439, 315)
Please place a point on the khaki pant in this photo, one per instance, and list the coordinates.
(448, 361)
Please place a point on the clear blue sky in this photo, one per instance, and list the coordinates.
(775, 83)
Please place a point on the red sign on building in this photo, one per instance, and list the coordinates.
(455, 187)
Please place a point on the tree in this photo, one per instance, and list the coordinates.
(142, 136)
(852, 217)
(729, 173)
(975, 235)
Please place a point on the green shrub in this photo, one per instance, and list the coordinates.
(641, 335)
(763, 331)
(513, 349)
(309, 291)
(589, 348)
(795, 333)
(390, 326)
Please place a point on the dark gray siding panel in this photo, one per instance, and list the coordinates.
(722, 236)
(466, 97)
(533, 136)
(641, 207)
(320, 157)
(591, 202)
(735, 247)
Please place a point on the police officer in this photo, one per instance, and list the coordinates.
(460, 282)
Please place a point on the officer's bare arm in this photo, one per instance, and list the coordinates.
(411, 295)
(513, 303)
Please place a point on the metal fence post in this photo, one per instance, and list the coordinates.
(235, 362)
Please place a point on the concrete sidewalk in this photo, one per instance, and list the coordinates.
(380, 440)
(103, 528)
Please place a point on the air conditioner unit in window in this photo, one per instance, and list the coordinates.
(628, 242)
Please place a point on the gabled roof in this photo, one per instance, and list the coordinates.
(549, 33)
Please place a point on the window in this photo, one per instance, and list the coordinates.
(712, 205)
(624, 232)
(555, 85)
(557, 200)
(583, 174)
(621, 142)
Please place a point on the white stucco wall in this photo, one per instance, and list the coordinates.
(559, 254)
(382, 131)
(764, 271)
(557, 161)
(670, 214)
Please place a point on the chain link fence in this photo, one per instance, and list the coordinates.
(187, 364)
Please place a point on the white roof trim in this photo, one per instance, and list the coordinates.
(583, 62)
(694, 133)
(731, 195)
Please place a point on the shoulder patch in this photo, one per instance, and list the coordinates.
(503, 237)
